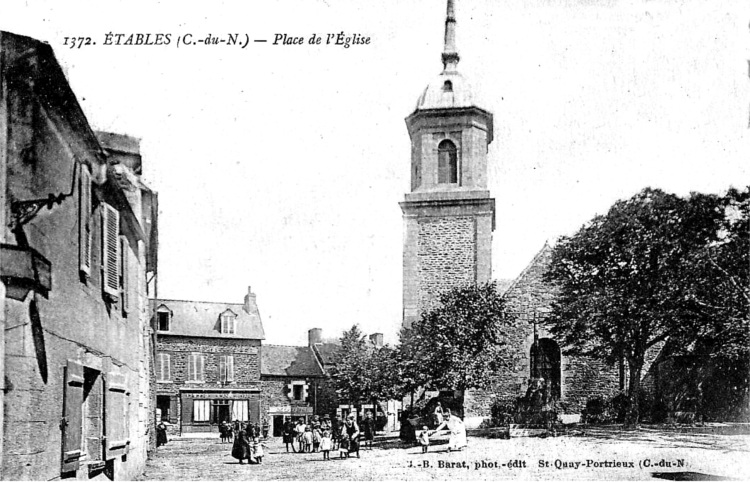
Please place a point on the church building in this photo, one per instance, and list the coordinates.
(449, 218)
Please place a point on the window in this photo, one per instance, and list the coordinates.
(84, 221)
(111, 251)
(447, 163)
(163, 320)
(227, 323)
(201, 410)
(297, 392)
(196, 363)
(240, 410)
(165, 367)
(448, 86)
(226, 368)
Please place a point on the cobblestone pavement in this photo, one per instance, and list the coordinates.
(595, 456)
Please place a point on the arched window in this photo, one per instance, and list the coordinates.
(447, 163)
(448, 86)
(545, 363)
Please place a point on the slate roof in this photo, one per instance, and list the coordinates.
(296, 361)
(202, 318)
(328, 352)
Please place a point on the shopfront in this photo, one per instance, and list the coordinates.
(203, 411)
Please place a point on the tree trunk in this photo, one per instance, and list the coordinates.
(634, 388)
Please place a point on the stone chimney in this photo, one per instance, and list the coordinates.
(249, 301)
(377, 339)
(314, 336)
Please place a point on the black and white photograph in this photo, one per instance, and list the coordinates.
(356, 240)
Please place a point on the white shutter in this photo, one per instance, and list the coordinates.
(202, 361)
(223, 369)
(230, 368)
(84, 221)
(110, 250)
(164, 367)
(169, 367)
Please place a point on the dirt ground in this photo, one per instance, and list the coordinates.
(596, 455)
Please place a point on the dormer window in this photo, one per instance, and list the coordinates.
(228, 322)
(448, 86)
(163, 318)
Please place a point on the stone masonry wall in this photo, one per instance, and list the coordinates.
(446, 252)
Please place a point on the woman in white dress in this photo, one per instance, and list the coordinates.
(457, 429)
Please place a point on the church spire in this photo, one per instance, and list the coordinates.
(450, 54)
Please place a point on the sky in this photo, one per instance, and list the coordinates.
(281, 167)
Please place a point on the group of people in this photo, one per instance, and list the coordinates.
(326, 435)
(445, 421)
(247, 443)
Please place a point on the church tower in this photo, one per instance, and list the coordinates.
(449, 215)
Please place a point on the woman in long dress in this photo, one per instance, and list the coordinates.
(457, 429)
(241, 449)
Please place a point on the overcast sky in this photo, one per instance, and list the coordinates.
(281, 167)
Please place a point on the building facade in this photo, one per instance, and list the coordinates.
(76, 251)
(292, 381)
(208, 363)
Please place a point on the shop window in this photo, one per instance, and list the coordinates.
(201, 410)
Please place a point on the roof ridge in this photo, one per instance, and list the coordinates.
(197, 301)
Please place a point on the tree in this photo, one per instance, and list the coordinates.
(629, 280)
(350, 372)
(459, 344)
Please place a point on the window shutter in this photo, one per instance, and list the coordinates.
(202, 361)
(84, 221)
(168, 371)
(124, 284)
(223, 369)
(110, 250)
(191, 367)
(73, 411)
(116, 415)
(254, 406)
(230, 368)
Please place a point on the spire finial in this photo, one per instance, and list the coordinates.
(450, 54)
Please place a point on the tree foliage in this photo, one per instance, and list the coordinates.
(459, 344)
(655, 266)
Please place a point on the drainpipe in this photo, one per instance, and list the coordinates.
(3, 224)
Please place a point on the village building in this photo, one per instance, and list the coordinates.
(292, 380)
(208, 363)
(78, 230)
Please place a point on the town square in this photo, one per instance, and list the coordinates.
(340, 240)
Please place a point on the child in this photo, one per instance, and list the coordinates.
(307, 438)
(316, 437)
(258, 450)
(325, 444)
(424, 439)
(344, 446)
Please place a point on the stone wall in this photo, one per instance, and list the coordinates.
(446, 252)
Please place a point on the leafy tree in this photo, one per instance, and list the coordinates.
(631, 279)
(459, 344)
(351, 372)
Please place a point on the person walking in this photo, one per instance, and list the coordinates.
(241, 448)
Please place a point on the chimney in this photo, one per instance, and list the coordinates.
(314, 336)
(377, 339)
(249, 301)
